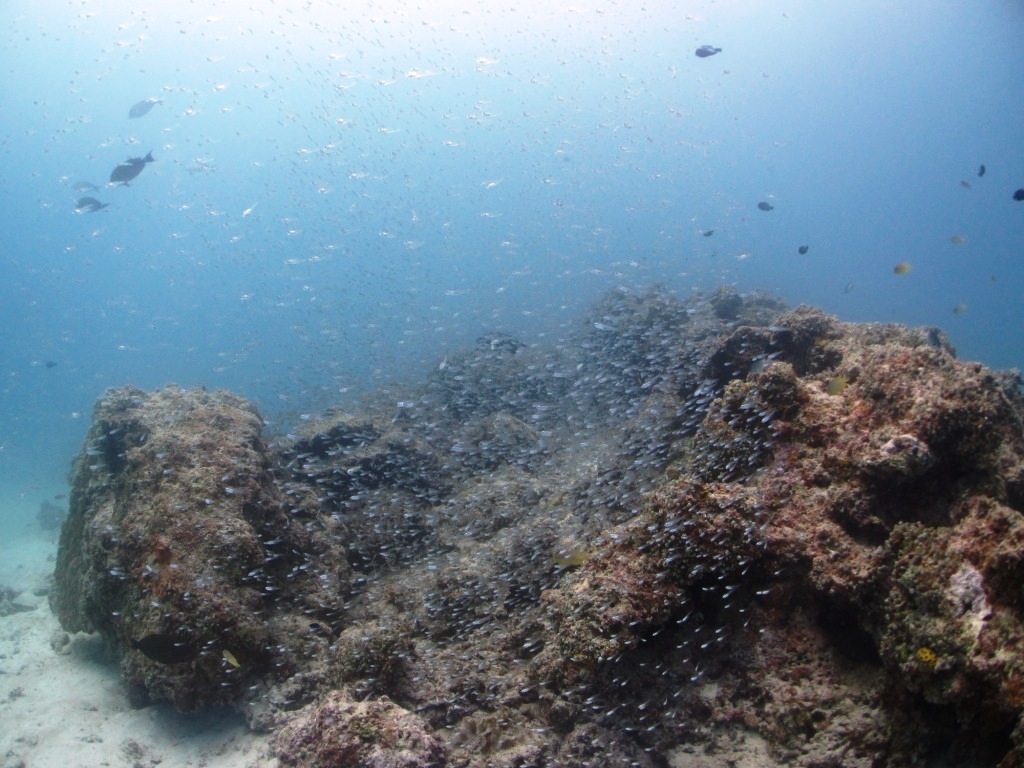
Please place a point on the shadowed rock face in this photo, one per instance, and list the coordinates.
(750, 531)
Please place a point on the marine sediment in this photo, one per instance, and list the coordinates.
(696, 531)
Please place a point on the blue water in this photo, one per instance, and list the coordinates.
(342, 193)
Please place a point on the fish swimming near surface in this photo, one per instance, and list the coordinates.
(706, 50)
(90, 205)
(708, 232)
(765, 206)
(129, 169)
(1019, 195)
(981, 170)
(143, 107)
(802, 249)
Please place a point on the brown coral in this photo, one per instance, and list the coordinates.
(374, 734)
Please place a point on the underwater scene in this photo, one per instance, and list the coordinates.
(398, 384)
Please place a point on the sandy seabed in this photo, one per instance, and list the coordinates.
(67, 709)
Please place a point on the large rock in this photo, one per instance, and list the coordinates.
(701, 533)
(871, 533)
(341, 732)
(173, 544)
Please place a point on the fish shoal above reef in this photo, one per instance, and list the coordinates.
(779, 523)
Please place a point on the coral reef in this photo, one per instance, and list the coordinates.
(700, 531)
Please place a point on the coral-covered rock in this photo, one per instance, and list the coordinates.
(683, 556)
(887, 486)
(369, 734)
(701, 533)
(169, 548)
(377, 478)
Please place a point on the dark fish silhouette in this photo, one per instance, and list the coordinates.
(981, 170)
(802, 249)
(50, 516)
(90, 204)
(165, 649)
(765, 206)
(706, 50)
(129, 169)
(143, 107)
(1018, 195)
(708, 232)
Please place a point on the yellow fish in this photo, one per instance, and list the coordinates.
(572, 558)
(229, 657)
(837, 384)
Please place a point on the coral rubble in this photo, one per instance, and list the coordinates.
(696, 531)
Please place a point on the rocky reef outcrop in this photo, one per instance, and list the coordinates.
(848, 593)
(691, 533)
(180, 549)
(340, 731)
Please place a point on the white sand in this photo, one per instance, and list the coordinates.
(65, 710)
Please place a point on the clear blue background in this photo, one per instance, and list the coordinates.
(345, 192)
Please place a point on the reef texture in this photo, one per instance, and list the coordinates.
(339, 731)
(175, 543)
(702, 533)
